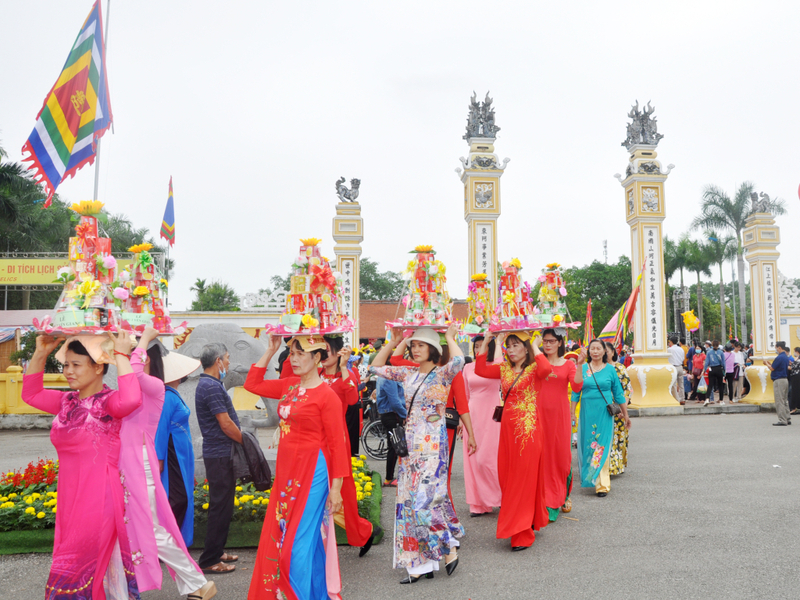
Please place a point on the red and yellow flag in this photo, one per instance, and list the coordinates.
(76, 112)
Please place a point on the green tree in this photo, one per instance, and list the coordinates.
(670, 266)
(698, 263)
(675, 258)
(124, 234)
(278, 284)
(379, 285)
(721, 212)
(215, 297)
(721, 249)
(28, 346)
(375, 285)
(25, 226)
(281, 284)
(607, 285)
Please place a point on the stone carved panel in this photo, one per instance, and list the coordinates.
(261, 302)
(484, 195)
(789, 295)
(631, 205)
(649, 199)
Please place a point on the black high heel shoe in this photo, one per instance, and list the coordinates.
(365, 548)
(451, 566)
(410, 579)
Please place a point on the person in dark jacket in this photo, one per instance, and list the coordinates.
(391, 402)
(249, 463)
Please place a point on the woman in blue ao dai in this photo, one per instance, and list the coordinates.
(601, 387)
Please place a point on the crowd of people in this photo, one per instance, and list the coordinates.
(130, 451)
(520, 407)
(515, 407)
(709, 372)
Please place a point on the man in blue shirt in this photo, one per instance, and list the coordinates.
(715, 360)
(780, 383)
(220, 427)
(391, 401)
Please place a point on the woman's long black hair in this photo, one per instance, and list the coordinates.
(156, 362)
(336, 342)
(610, 346)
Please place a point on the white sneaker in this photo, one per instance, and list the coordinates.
(705, 403)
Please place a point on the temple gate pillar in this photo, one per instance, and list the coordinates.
(645, 210)
(760, 239)
(481, 178)
(348, 233)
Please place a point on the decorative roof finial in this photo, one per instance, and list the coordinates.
(642, 129)
(480, 121)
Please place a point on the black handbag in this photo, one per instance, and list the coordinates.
(451, 417)
(613, 409)
(397, 435)
(498, 410)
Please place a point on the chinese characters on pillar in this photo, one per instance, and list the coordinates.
(347, 267)
(770, 301)
(653, 293)
(483, 249)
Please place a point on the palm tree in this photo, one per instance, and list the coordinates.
(670, 267)
(698, 262)
(720, 212)
(199, 287)
(721, 249)
(124, 234)
(675, 259)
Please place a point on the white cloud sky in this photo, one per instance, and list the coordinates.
(256, 108)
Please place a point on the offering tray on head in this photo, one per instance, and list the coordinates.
(507, 328)
(473, 330)
(315, 304)
(44, 327)
(438, 328)
(285, 331)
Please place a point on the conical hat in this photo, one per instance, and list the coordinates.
(177, 366)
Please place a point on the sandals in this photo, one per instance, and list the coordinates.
(567, 506)
(208, 591)
(219, 569)
(229, 558)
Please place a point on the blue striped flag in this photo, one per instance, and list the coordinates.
(168, 222)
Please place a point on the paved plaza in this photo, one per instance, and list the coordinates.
(708, 508)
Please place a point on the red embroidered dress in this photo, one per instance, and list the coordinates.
(358, 529)
(520, 467)
(311, 424)
(554, 416)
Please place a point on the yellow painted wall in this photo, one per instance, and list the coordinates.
(11, 391)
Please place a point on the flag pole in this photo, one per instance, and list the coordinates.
(97, 153)
(166, 268)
